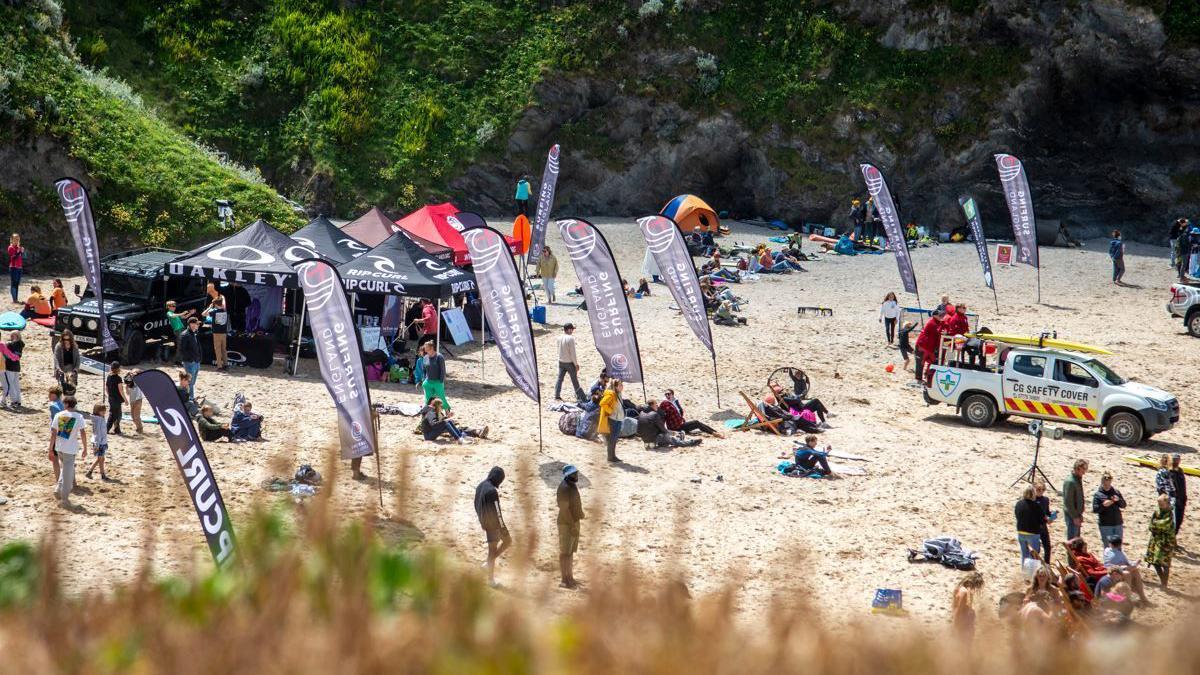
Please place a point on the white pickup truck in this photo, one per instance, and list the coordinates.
(1185, 304)
(1052, 384)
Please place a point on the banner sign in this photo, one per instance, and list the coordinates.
(972, 213)
(545, 202)
(665, 242)
(503, 300)
(886, 208)
(184, 442)
(338, 355)
(78, 209)
(1020, 207)
(1004, 254)
(608, 308)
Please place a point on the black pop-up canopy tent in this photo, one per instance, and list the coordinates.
(398, 266)
(259, 254)
(258, 262)
(329, 242)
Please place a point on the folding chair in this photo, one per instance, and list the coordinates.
(756, 414)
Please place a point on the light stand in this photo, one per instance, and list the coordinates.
(1037, 429)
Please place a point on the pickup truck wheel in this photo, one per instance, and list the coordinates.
(1124, 429)
(1193, 324)
(978, 410)
(132, 349)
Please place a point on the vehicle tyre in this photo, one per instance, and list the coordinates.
(132, 348)
(1124, 428)
(978, 410)
(1193, 324)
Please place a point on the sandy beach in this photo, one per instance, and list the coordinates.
(717, 513)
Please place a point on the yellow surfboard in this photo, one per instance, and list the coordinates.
(1152, 462)
(1034, 341)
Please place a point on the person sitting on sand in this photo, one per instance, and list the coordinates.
(724, 315)
(673, 418)
(643, 288)
(36, 305)
(246, 424)
(210, 429)
(600, 385)
(1120, 570)
(435, 421)
(810, 460)
(799, 404)
(1085, 563)
(654, 432)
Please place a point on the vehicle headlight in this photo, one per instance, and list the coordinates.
(1160, 406)
(91, 324)
(76, 321)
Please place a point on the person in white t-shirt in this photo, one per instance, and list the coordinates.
(68, 438)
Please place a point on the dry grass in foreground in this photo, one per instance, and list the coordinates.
(334, 598)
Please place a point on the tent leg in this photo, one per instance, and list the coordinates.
(299, 339)
(438, 330)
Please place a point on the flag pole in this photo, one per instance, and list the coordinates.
(378, 470)
(539, 407)
(1039, 281)
(716, 380)
(299, 338)
(996, 298)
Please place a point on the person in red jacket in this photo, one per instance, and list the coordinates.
(928, 342)
(956, 320)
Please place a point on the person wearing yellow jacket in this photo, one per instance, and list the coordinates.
(612, 415)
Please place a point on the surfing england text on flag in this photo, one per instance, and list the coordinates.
(78, 210)
(537, 239)
(339, 355)
(665, 242)
(184, 442)
(1020, 207)
(878, 189)
(972, 214)
(503, 301)
(608, 308)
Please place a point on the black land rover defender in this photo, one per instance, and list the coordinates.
(136, 290)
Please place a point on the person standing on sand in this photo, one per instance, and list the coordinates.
(434, 369)
(1039, 496)
(189, 354)
(570, 513)
(1072, 492)
(1162, 540)
(612, 416)
(491, 519)
(889, 313)
(929, 341)
(568, 363)
(547, 269)
(1029, 524)
(1107, 503)
(67, 440)
(1179, 478)
(962, 608)
(1116, 251)
(16, 266)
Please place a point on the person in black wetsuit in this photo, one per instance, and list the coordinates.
(810, 460)
(491, 519)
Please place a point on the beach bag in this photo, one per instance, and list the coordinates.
(809, 416)
(375, 372)
(568, 422)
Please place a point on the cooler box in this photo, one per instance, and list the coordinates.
(538, 314)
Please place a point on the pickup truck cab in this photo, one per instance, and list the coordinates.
(1185, 304)
(1051, 384)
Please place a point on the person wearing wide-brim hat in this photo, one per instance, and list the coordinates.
(570, 513)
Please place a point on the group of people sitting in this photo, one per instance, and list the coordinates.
(38, 306)
(244, 425)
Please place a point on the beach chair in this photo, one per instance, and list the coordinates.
(755, 419)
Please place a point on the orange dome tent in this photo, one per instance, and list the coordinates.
(690, 212)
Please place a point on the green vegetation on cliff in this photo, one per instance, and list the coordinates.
(151, 182)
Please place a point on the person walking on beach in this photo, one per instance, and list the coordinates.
(99, 440)
(68, 439)
(889, 314)
(522, 196)
(568, 363)
(491, 519)
(570, 513)
(189, 354)
(547, 269)
(16, 266)
(1072, 492)
(1107, 504)
(1116, 251)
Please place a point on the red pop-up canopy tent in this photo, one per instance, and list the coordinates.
(443, 224)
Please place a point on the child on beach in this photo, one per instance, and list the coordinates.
(905, 345)
(99, 439)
